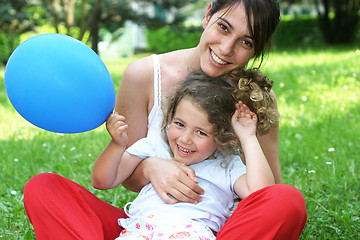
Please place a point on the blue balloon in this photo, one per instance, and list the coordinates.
(59, 84)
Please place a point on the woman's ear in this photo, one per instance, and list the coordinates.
(207, 16)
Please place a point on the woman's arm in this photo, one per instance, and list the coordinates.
(270, 146)
(135, 101)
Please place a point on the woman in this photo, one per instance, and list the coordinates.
(227, 44)
(235, 31)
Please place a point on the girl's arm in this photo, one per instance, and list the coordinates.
(258, 172)
(114, 165)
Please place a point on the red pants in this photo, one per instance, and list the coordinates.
(61, 209)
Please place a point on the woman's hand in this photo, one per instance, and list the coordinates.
(173, 181)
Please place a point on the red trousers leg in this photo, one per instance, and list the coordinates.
(62, 209)
(274, 212)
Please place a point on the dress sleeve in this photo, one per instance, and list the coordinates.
(153, 146)
(236, 170)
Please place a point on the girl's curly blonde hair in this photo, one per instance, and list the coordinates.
(217, 97)
(254, 89)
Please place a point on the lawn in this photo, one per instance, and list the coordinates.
(318, 94)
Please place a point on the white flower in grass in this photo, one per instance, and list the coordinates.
(90, 155)
(304, 98)
(357, 52)
(292, 123)
(331, 149)
(44, 145)
(316, 157)
(298, 136)
(72, 149)
(63, 146)
(16, 160)
(350, 144)
(282, 85)
(13, 192)
(63, 157)
(20, 137)
(311, 171)
(346, 87)
(328, 163)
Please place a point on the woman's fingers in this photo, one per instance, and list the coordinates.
(178, 181)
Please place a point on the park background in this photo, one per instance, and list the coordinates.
(314, 64)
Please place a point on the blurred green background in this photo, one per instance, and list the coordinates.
(314, 64)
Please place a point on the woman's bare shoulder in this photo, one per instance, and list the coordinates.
(140, 69)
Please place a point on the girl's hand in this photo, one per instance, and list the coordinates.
(116, 126)
(244, 121)
(173, 181)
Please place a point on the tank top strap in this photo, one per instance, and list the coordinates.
(157, 80)
(156, 116)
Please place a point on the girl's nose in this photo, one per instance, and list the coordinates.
(186, 137)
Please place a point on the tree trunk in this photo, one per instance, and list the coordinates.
(343, 26)
(94, 30)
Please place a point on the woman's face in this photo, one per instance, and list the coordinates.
(226, 43)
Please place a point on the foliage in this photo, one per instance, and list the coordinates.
(93, 15)
(16, 17)
(318, 97)
(338, 19)
(342, 26)
(168, 38)
(290, 34)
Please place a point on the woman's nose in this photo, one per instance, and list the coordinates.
(227, 46)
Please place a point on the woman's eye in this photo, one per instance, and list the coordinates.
(248, 43)
(223, 27)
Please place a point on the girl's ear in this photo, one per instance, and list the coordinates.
(207, 16)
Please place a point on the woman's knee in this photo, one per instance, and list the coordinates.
(288, 201)
(40, 182)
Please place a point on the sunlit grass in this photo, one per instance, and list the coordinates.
(318, 94)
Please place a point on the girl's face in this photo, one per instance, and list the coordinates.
(190, 134)
(226, 43)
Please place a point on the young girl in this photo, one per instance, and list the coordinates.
(202, 121)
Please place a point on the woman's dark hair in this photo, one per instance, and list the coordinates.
(263, 18)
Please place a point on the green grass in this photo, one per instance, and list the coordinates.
(318, 94)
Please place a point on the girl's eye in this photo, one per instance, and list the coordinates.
(201, 133)
(179, 124)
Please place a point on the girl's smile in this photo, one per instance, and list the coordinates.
(190, 134)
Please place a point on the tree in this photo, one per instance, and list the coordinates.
(338, 19)
(89, 16)
(16, 17)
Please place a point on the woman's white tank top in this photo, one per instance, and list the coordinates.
(155, 117)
